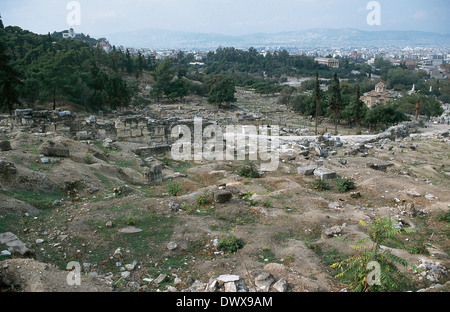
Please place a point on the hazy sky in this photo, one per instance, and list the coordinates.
(231, 17)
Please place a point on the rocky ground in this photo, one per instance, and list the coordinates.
(93, 208)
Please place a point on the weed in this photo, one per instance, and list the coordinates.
(231, 243)
(130, 220)
(203, 200)
(88, 159)
(443, 216)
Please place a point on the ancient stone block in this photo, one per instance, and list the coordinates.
(153, 174)
(325, 174)
(222, 196)
(7, 169)
(5, 146)
(55, 152)
(15, 245)
(381, 166)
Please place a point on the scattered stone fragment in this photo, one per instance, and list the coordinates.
(15, 245)
(230, 287)
(131, 266)
(264, 281)
(57, 203)
(125, 274)
(281, 285)
(430, 197)
(222, 279)
(117, 253)
(130, 230)
(333, 231)
(307, 170)
(380, 166)
(160, 279)
(172, 246)
(5, 253)
(174, 207)
(413, 193)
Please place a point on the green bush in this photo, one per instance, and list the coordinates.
(248, 170)
(231, 243)
(174, 189)
(130, 220)
(345, 185)
(320, 185)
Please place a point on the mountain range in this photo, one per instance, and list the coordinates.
(312, 38)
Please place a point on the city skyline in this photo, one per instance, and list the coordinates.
(229, 17)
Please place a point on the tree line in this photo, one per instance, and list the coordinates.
(41, 69)
(342, 102)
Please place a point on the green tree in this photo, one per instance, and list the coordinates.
(55, 74)
(384, 115)
(163, 75)
(222, 90)
(356, 111)
(178, 88)
(357, 271)
(129, 62)
(335, 105)
(429, 105)
(1, 23)
(317, 101)
(9, 82)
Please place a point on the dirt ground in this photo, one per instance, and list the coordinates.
(67, 210)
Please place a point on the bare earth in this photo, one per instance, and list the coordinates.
(281, 221)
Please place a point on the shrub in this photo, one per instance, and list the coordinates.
(231, 243)
(130, 220)
(248, 170)
(204, 199)
(345, 185)
(320, 185)
(174, 189)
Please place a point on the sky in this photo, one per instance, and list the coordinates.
(99, 18)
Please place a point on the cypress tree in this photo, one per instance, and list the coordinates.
(336, 105)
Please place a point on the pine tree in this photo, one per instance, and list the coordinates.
(222, 90)
(336, 105)
(9, 81)
(1, 23)
(359, 108)
(317, 98)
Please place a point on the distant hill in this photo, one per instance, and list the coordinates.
(163, 39)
